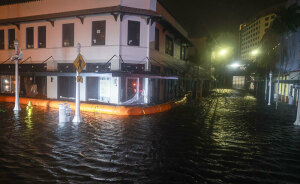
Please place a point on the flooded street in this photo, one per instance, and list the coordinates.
(231, 137)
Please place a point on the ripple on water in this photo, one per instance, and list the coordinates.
(229, 138)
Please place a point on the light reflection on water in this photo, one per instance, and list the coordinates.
(229, 138)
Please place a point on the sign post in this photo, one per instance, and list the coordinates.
(18, 55)
(79, 65)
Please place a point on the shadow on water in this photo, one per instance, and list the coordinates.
(230, 137)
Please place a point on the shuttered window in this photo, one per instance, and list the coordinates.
(42, 36)
(29, 38)
(11, 38)
(68, 35)
(98, 32)
(133, 33)
(1, 39)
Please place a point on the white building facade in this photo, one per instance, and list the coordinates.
(133, 49)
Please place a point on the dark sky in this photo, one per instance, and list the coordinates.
(201, 17)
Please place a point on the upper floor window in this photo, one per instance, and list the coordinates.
(68, 35)
(1, 39)
(42, 36)
(183, 50)
(169, 46)
(156, 39)
(29, 38)
(11, 38)
(266, 24)
(133, 33)
(98, 32)
(267, 18)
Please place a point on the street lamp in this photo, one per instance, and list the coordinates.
(18, 56)
(255, 52)
(223, 52)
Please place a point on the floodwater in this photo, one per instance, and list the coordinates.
(230, 137)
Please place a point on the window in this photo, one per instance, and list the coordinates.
(11, 38)
(267, 18)
(29, 38)
(133, 33)
(68, 35)
(266, 24)
(157, 39)
(272, 17)
(98, 32)
(1, 39)
(169, 46)
(42, 37)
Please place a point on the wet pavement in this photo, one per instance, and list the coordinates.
(231, 137)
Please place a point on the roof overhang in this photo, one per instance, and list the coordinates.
(123, 10)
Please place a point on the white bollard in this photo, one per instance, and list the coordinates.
(64, 112)
(298, 111)
(270, 88)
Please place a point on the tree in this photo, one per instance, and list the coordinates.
(273, 43)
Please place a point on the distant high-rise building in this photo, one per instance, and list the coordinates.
(251, 34)
(252, 31)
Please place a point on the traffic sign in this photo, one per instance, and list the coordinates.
(79, 63)
(79, 79)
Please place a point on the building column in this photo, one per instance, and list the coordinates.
(52, 81)
(83, 90)
(52, 87)
(115, 89)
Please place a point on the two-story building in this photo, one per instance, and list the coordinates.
(135, 50)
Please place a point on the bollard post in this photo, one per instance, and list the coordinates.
(77, 117)
(270, 87)
(297, 122)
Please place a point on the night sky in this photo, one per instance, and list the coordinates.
(202, 17)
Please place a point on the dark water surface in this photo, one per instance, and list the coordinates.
(229, 138)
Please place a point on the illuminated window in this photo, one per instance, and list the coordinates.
(42, 37)
(1, 39)
(29, 38)
(68, 35)
(98, 32)
(133, 33)
(11, 38)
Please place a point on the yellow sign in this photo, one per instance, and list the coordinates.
(79, 79)
(79, 63)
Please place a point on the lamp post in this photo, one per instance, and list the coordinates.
(270, 87)
(77, 117)
(18, 55)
